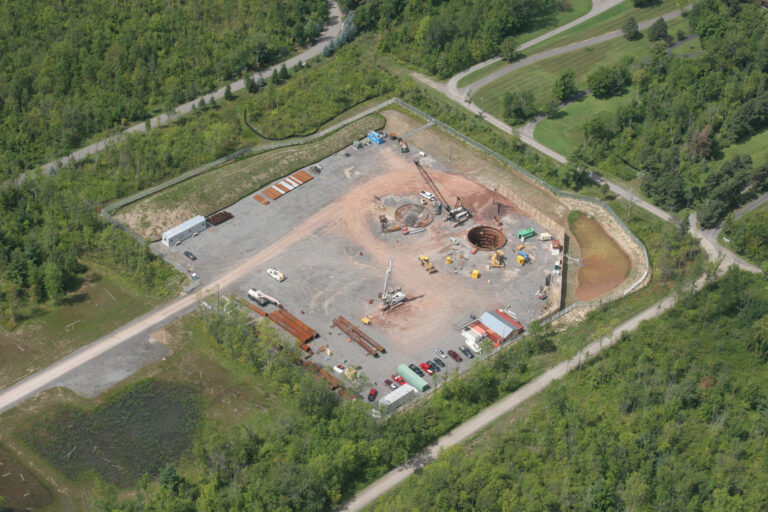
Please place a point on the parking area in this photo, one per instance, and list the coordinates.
(326, 237)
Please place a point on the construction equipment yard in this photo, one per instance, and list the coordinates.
(329, 239)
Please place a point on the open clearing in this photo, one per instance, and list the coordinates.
(540, 76)
(605, 264)
(563, 131)
(755, 146)
(19, 488)
(134, 431)
(219, 188)
(325, 236)
(102, 303)
(608, 21)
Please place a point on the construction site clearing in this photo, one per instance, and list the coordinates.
(389, 257)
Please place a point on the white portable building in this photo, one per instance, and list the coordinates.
(398, 397)
(184, 230)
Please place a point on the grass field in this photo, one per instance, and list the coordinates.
(104, 302)
(540, 76)
(226, 185)
(136, 430)
(755, 146)
(578, 8)
(563, 132)
(607, 21)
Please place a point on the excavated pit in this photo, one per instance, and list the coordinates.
(486, 238)
(414, 215)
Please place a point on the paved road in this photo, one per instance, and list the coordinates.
(598, 6)
(460, 94)
(331, 31)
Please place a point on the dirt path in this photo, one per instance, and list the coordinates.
(331, 31)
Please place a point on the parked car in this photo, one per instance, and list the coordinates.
(275, 274)
(189, 255)
(456, 357)
(467, 352)
(339, 368)
(398, 379)
(439, 362)
(433, 366)
(390, 384)
(426, 368)
(427, 195)
(415, 369)
(440, 352)
(372, 394)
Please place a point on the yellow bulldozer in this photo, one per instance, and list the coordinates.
(428, 265)
(497, 260)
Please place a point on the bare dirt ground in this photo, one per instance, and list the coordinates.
(400, 123)
(605, 264)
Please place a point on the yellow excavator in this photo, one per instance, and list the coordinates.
(497, 260)
(428, 265)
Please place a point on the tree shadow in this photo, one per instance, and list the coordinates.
(76, 298)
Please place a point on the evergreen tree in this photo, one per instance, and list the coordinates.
(261, 82)
(275, 78)
(658, 30)
(630, 29)
(251, 85)
(284, 74)
(228, 94)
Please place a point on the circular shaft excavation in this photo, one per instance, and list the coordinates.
(486, 238)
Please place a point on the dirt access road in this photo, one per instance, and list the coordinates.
(331, 31)
(46, 378)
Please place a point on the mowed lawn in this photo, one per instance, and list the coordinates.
(538, 27)
(605, 22)
(104, 302)
(755, 146)
(563, 133)
(540, 76)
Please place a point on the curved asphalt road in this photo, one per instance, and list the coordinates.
(598, 6)
(331, 31)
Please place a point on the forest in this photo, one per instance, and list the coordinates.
(73, 70)
(748, 235)
(685, 111)
(447, 36)
(672, 418)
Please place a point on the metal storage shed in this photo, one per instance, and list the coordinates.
(184, 230)
(502, 328)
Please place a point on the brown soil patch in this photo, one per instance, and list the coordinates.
(400, 123)
(19, 487)
(605, 264)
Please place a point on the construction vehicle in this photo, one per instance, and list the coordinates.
(525, 234)
(389, 299)
(475, 274)
(458, 213)
(262, 299)
(428, 265)
(403, 147)
(497, 259)
(545, 237)
(523, 258)
(448, 260)
(383, 221)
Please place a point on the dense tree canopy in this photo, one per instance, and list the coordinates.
(69, 70)
(685, 110)
(447, 36)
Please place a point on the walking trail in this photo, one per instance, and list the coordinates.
(331, 31)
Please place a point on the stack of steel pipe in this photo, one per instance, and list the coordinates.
(362, 335)
(354, 334)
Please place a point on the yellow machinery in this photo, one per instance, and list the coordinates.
(366, 320)
(448, 260)
(497, 260)
(428, 265)
(521, 247)
(521, 260)
(475, 274)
